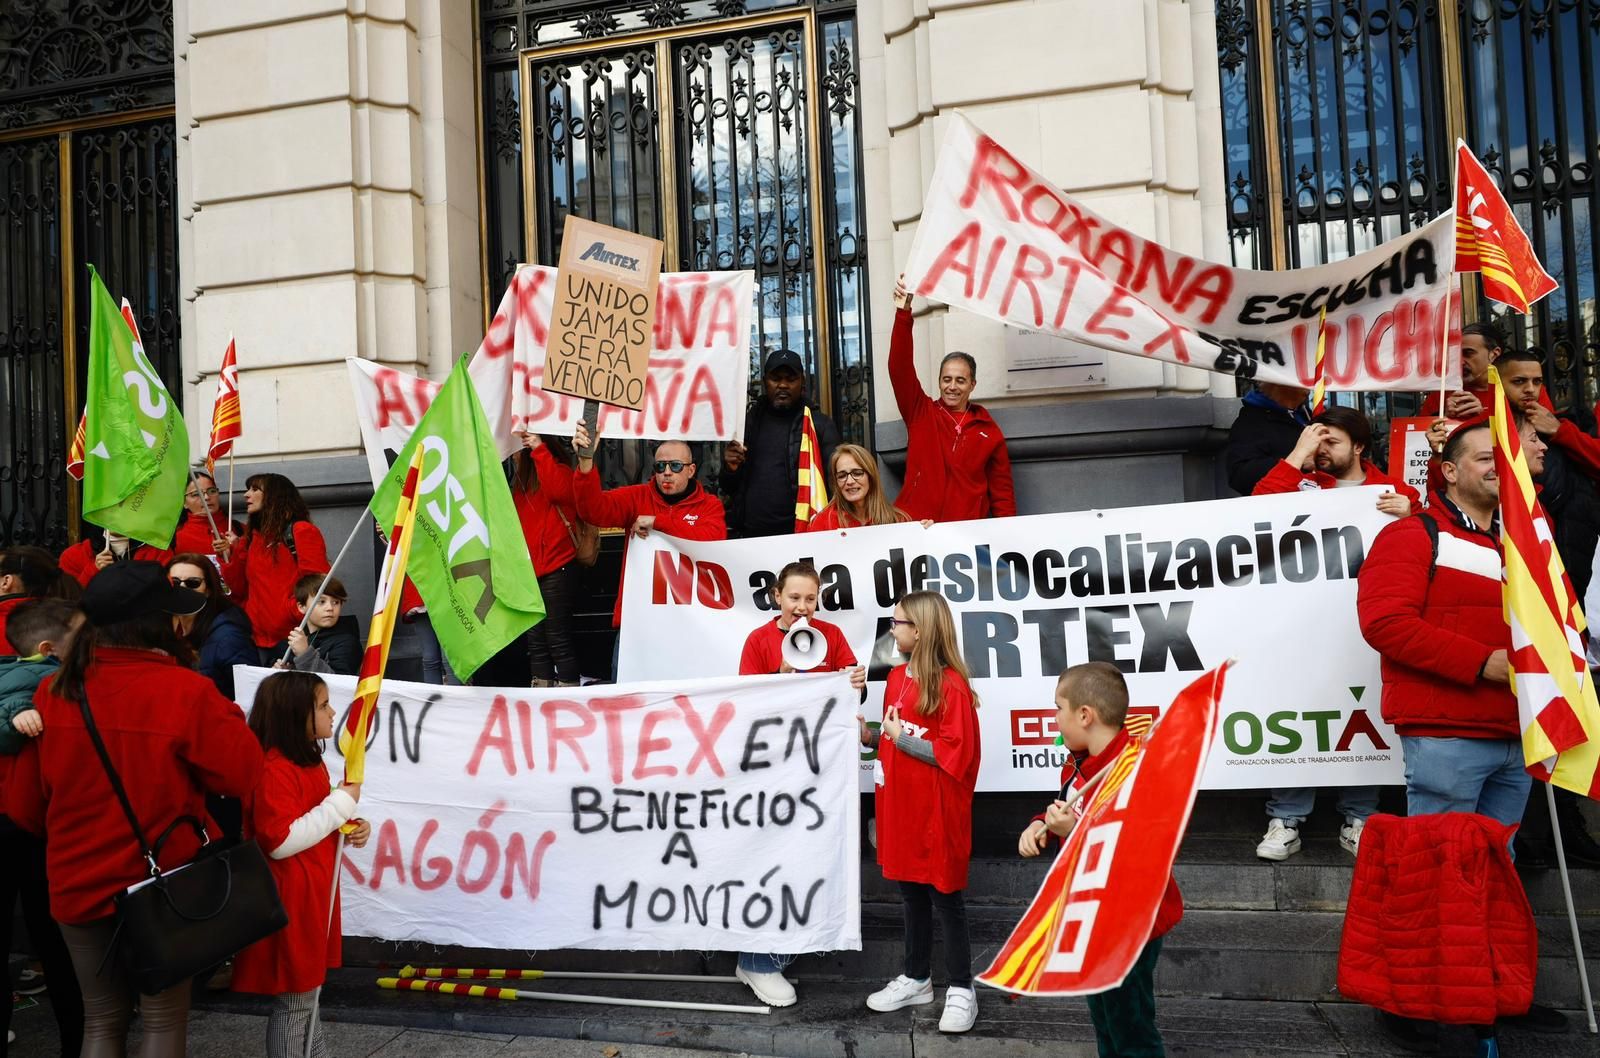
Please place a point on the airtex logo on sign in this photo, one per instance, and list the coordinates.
(600, 255)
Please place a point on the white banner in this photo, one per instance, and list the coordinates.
(998, 239)
(1163, 592)
(696, 390)
(706, 814)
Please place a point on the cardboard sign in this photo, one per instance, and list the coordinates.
(1409, 452)
(605, 313)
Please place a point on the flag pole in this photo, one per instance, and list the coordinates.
(1572, 911)
(194, 478)
(1444, 324)
(230, 488)
(333, 894)
(312, 605)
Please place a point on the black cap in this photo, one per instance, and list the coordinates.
(783, 358)
(125, 590)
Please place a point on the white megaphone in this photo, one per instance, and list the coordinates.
(804, 647)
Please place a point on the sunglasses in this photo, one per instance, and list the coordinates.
(192, 583)
(674, 465)
(850, 475)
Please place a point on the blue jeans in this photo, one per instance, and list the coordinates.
(435, 667)
(761, 963)
(1482, 775)
(1294, 805)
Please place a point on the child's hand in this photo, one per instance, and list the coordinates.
(358, 837)
(298, 641)
(28, 722)
(858, 678)
(104, 558)
(866, 732)
(280, 664)
(1033, 839)
(1058, 819)
(892, 727)
(353, 789)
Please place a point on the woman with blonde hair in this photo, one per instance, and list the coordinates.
(858, 497)
(929, 748)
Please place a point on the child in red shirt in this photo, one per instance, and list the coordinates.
(294, 817)
(929, 749)
(795, 592)
(1091, 713)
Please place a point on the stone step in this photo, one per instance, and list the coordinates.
(831, 1021)
(1289, 956)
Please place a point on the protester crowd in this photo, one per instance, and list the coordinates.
(122, 660)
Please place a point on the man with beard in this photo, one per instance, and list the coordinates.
(1329, 454)
(760, 476)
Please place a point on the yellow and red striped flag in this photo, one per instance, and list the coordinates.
(75, 450)
(1319, 391)
(1556, 703)
(811, 489)
(385, 611)
(1491, 242)
(226, 422)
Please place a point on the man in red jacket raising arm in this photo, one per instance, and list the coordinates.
(1430, 605)
(672, 503)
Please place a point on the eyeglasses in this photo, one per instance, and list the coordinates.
(674, 465)
(895, 622)
(196, 495)
(192, 583)
(850, 475)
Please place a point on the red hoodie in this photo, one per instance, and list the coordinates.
(261, 579)
(1285, 477)
(696, 516)
(172, 737)
(78, 563)
(957, 466)
(540, 511)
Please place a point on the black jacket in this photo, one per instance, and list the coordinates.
(336, 650)
(1259, 437)
(735, 484)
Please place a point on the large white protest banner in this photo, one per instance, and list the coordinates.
(707, 814)
(696, 389)
(998, 239)
(1164, 593)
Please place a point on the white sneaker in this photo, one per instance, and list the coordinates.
(1350, 835)
(900, 993)
(960, 1009)
(772, 989)
(1281, 842)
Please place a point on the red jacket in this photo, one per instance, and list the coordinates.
(1437, 925)
(172, 738)
(695, 516)
(194, 534)
(549, 541)
(1076, 771)
(1582, 449)
(1435, 636)
(261, 579)
(925, 810)
(829, 519)
(297, 957)
(7, 604)
(77, 561)
(957, 466)
(763, 649)
(1284, 477)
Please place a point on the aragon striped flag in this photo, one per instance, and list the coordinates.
(385, 611)
(811, 486)
(1490, 241)
(226, 422)
(1319, 389)
(1556, 703)
(75, 450)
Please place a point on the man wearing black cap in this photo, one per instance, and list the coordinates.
(760, 476)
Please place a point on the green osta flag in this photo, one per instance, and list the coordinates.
(468, 557)
(136, 447)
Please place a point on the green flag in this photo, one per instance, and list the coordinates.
(468, 559)
(136, 447)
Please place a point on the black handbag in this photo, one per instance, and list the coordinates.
(176, 924)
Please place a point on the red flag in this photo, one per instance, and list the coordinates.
(1490, 241)
(75, 450)
(226, 423)
(1093, 915)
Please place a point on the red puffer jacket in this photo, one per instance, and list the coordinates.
(957, 466)
(1438, 926)
(1434, 635)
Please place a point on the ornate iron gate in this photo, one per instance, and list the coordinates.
(87, 176)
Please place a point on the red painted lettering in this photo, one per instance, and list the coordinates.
(649, 745)
(519, 860)
(703, 390)
(496, 734)
(1118, 304)
(1021, 275)
(705, 737)
(439, 865)
(997, 171)
(961, 256)
(388, 855)
(678, 579)
(611, 710)
(571, 736)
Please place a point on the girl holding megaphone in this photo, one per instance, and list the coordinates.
(794, 641)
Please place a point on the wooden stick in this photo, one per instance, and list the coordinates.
(447, 973)
(416, 984)
(361, 521)
(1572, 912)
(194, 479)
(333, 893)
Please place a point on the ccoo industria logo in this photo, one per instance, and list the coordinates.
(600, 255)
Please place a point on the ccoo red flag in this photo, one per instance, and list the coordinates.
(226, 423)
(1491, 242)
